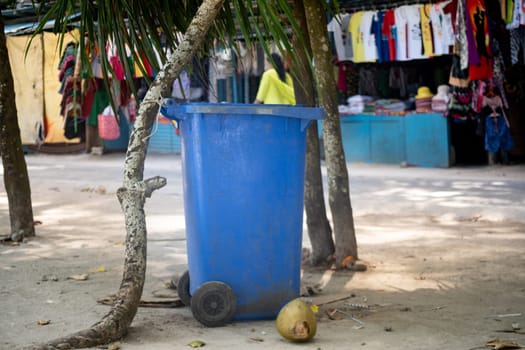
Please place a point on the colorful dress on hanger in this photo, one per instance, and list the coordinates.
(497, 132)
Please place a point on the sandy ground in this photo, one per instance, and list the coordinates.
(444, 250)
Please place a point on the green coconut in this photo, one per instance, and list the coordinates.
(296, 321)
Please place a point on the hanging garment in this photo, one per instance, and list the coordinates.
(522, 11)
(459, 105)
(401, 33)
(381, 40)
(517, 44)
(338, 26)
(497, 134)
(354, 27)
(473, 56)
(414, 38)
(398, 80)
(369, 41)
(458, 77)
(247, 59)
(516, 14)
(477, 14)
(442, 29)
(341, 76)
(461, 42)
(477, 17)
(389, 31)
(426, 30)
(100, 101)
(368, 80)
(498, 75)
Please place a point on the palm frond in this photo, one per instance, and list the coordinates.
(150, 29)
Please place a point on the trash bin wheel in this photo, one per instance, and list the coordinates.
(213, 304)
(183, 288)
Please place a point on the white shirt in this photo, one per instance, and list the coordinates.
(369, 39)
(402, 33)
(414, 40)
(342, 37)
(442, 29)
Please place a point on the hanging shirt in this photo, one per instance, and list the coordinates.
(436, 18)
(389, 32)
(381, 40)
(414, 39)
(461, 41)
(426, 30)
(522, 12)
(354, 27)
(342, 37)
(449, 20)
(516, 15)
(369, 41)
(402, 33)
(477, 17)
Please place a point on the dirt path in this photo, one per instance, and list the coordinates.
(433, 281)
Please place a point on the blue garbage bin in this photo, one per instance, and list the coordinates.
(243, 179)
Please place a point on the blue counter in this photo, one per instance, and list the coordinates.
(417, 139)
(164, 137)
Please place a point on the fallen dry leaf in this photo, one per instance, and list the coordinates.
(81, 277)
(98, 269)
(196, 344)
(348, 260)
(114, 346)
(43, 322)
(107, 300)
(258, 340)
(498, 344)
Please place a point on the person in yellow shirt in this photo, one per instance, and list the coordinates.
(276, 86)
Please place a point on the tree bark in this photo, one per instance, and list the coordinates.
(16, 179)
(338, 185)
(319, 230)
(133, 193)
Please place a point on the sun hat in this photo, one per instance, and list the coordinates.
(424, 92)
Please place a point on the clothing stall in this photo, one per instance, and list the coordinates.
(413, 76)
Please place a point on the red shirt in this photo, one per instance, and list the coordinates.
(388, 30)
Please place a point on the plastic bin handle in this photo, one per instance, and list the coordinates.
(172, 110)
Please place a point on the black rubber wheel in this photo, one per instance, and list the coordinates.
(213, 304)
(183, 288)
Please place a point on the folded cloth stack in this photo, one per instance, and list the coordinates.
(357, 103)
(424, 100)
(441, 101)
(390, 106)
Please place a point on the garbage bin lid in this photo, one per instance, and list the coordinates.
(173, 110)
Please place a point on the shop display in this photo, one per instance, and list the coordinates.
(398, 64)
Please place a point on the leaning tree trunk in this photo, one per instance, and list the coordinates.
(135, 190)
(16, 179)
(338, 186)
(319, 230)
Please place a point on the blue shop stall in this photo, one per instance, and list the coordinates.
(431, 84)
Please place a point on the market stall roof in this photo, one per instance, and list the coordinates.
(28, 27)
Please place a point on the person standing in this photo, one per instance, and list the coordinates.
(276, 86)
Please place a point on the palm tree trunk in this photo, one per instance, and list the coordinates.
(16, 179)
(338, 186)
(319, 230)
(132, 195)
